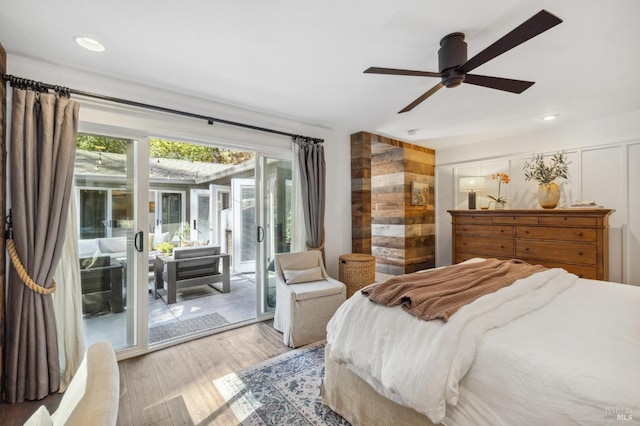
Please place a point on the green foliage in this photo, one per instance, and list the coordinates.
(183, 232)
(165, 247)
(161, 148)
(101, 144)
(537, 170)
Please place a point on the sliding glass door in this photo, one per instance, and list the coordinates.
(235, 203)
(274, 225)
(109, 238)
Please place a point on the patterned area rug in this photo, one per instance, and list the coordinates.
(284, 390)
(185, 327)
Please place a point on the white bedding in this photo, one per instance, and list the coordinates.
(549, 349)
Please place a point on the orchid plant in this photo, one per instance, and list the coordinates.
(501, 178)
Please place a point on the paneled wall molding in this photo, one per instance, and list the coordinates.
(528, 154)
(606, 173)
(385, 222)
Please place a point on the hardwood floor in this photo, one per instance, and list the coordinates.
(174, 386)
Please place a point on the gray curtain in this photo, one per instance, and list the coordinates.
(44, 128)
(312, 183)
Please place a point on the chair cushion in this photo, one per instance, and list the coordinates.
(315, 289)
(113, 245)
(87, 248)
(293, 276)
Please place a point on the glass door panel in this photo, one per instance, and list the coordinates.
(93, 213)
(121, 213)
(275, 220)
(171, 212)
(222, 218)
(201, 204)
(103, 172)
(244, 225)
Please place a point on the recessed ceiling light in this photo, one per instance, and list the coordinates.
(550, 117)
(89, 43)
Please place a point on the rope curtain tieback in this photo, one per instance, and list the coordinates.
(321, 247)
(22, 273)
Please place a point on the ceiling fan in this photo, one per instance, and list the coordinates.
(454, 66)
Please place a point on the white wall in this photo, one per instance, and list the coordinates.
(604, 158)
(96, 114)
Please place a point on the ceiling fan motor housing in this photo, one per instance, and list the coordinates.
(452, 54)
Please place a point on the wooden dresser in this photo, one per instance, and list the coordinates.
(574, 239)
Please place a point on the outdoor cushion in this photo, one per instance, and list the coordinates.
(87, 248)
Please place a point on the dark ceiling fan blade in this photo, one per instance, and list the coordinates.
(394, 71)
(537, 24)
(506, 84)
(418, 101)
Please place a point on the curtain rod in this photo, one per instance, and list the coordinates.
(65, 91)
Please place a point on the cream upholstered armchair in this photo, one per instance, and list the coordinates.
(306, 297)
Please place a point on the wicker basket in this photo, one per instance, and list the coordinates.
(357, 270)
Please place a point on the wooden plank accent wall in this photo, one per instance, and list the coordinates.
(400, 236)
(360, 194)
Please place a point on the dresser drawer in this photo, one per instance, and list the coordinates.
(496, 231)
(473, 219)
(485, 246)
(568, 221)
(516, 220)
(566, 234)
(557, 251)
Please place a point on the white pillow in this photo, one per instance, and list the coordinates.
(40, 418)
(303, 275)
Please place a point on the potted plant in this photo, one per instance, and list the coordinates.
(183, 233)
(500, 200)
(545, 175)
(165, 247)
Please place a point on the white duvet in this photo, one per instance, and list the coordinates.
(549, 349)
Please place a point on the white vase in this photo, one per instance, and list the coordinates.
(548, 195)
(501, 205)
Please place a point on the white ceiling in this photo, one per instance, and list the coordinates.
(303, 60)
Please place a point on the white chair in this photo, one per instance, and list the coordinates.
(93, 395)
(306, 297)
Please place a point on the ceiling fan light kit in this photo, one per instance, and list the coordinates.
(454, 67)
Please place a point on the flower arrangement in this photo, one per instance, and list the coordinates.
(537, 170)
(501, 178)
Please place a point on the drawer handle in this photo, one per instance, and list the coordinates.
(526, 232)
(464, 244)
(566, 218)
(502, 230)
(580, 234)
(526, 249)
(501, 246)
(579, 253)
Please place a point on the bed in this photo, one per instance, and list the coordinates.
(548, 349)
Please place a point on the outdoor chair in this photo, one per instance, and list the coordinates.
(190, 267)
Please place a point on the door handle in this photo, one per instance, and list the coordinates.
(194, 225)
(260, 234)
(139, 247)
